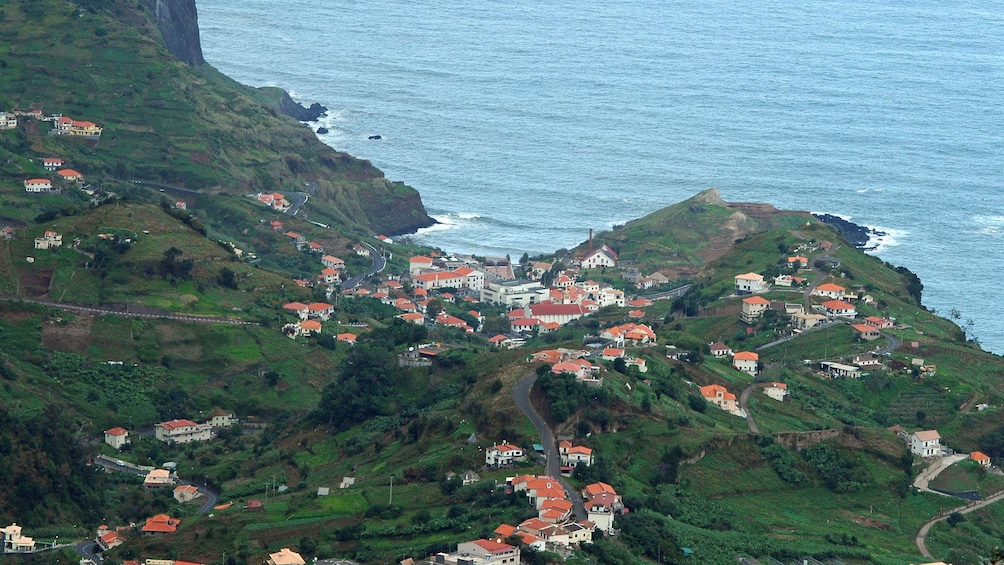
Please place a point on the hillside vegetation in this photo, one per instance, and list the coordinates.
(167, 122)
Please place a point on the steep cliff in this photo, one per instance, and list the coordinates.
(168, 117)
(178, 22)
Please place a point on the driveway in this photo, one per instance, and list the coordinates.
(744, 403)
(521, 394)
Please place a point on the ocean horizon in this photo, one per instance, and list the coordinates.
(524, 125)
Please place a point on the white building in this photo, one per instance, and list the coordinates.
(182, 431)
(777, 391)
(746, 361)
(14, 542)
(750, 283)
(597, 258)
(503, 455)
(514, 294)
(37, 185)
(926, 443)
(50, 240)
(482, 552)
(117, 437)
(7, 121)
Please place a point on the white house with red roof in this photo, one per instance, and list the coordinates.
(109, 540)
(879, 322)
(298, 308)
(980, 458)
(486, 552)
(579, 367)
(320, 310)
(600, 257)
(721, 397)
(159, 525)
(829, 290)
(867, 332)
(602, 504)
(37, 186)
(503, 455)
(746, 361)
(329, 276)
(572, 455)
(750, 283)
(69, 175)
(182, 431)
(52, 163)
(117, 437)
(798, 262)
(839, 309)
(777, 391)
(753, 308)
(49, 240)
(419, 264)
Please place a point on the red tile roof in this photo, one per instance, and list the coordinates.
(117, 431)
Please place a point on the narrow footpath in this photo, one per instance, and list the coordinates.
(552, 467)
(127, 311)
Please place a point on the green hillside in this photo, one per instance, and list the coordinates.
(165, 121)
(682, 238)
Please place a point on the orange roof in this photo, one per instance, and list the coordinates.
(310, 325)
(838, 305)
(750, 277)
(68, 173)
(929, 435)
(36, 181)
(557, 504)
(746, 356)
(177, 424)
(421, 259)
(599, 488)
(292, 234)
(830, 287)
(756, 300)
(865, 328)
(319, 306)
(161, 523)
(778, 385)
(505, 530)
(581, 450)
(711, 391)
(346, 337)
(294, 306)
(494, 546)
(186, 488)
(329, 272)
(979, 456)
(117, 431)
(719, 346)
(507, 447)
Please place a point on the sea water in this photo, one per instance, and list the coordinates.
(524, 124)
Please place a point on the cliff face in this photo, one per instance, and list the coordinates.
(178, 21)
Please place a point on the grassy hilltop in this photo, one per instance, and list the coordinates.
(165, 121)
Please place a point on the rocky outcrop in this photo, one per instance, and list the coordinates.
(178, 22)
(295, 110)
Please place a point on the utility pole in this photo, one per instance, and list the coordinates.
(391, 501)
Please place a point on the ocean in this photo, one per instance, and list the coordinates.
(524, 124)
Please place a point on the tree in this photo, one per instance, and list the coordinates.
(228, 278)
(433, 308)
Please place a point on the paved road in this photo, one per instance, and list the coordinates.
(100, 309)
(521, 394)
(745, 405)
(921, 539)
(88, 549)
(378, 265)
(297, 200)
(675, 293)
(211, 496)
(927, 475)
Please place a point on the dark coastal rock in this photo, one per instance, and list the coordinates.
(376, 137)
(178, 22)
(855, 234)
(322, 130)
(297, 111)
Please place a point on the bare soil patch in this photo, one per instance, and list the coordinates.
(68, 337)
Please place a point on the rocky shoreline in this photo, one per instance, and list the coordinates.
(857, 235)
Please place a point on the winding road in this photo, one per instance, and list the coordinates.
(921, 539)
(552, 467)
(379, 264)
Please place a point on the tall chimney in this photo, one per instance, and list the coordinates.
(590, 240)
